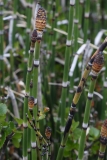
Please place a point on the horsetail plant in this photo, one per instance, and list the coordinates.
(28, 12)
(40, 24)
(76, 23)
(104, 102)
(33, 136)
(86, 19)
(71, 79)
(76, 99)
(44, 144)
(66, 67)
(96, 67)
(81, 7)
(30, 106)
(1, 42)
(29, 135)
(103, 140)
(27, 90)
(48, 136)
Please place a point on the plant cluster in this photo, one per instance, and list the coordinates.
(53, 80)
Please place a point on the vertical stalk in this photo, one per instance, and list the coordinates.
(103, 141)
(15, 4)
(29, 131)
(13, 25)
(48, 135)
(28, 13)
(29, 145)
(104, 102)
(40, 24)
(97, 65)
(86, 117)
(66, 67)
(1, 42)
(86, 19)
(76, 24)
(72, 110)
(105, 14)
(52, 58)
(34, 92)
(27, 90)
(81, 6)
(71, 78)
(76, 99)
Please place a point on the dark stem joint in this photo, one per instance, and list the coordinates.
(94, 77)
(79, 89)
(62, 146)
(33, 147)
(31, 50)
(35, 65)
(90, 98)
(103, 140)
(101, 154)
(102, 47)
(84, 128)
(73, 104)
(83, 79)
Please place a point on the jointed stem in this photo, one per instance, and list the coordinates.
(86, 118)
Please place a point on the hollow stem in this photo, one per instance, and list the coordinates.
(66, 67)
(27, 90)
(1, 42)
(86, 118)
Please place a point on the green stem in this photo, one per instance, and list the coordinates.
(27, 90)
(27, 42)
(86, 19)
(76, 23)
(86, 118)
(104, 102)
(101, 151)
(34, 90)
(66, 67)
(29, 143)
(77, 96)
(1, 43)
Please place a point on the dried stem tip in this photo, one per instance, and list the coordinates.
(34, 36)
(98, 62)
(48, 132)
(40, 23)
(104, 129)
(31, 102)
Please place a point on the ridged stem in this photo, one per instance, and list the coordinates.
(104, 102)
(29, 143)
(52, 58)
(66, 67)
(86, 118)
(27, 90)
(27, 42)
(34, 92)
(76, 23)
(81, 7)
(86, 19)
(102, 151)
(15, 4)
(103, 141)
(1, 43)
(76, 99)
(72, 111)
(71, 78)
